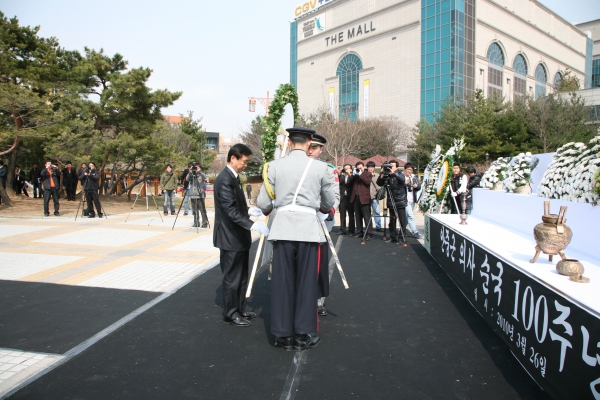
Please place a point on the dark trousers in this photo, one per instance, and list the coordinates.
(393, 218)
(91, 197)
(198, 207)
(37, 192)
(47, 193)
(362, 213)
(70, 188)
(323, 268)
(294, 289)
(234, 265)
(346, 208)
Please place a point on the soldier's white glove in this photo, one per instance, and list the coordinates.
(255, 211)
(321, 216)
(260, 228)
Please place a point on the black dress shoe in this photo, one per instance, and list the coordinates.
(369, 237)
(46, 214)
(286, 342)
(92, 216)
(249, 314)
(322, 311)
(305, 342)
(57, 213)
(100, 215)
(341, 233)
(237, 321)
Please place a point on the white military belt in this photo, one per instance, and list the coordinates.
(297, 208)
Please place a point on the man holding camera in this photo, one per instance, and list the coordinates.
(374, 188)
(197, 195)
(89, 179)
(412, 187)
(345, 205)
(361, 197)
(168, 184)
(51, 178)
(186, 185)
(397, 185)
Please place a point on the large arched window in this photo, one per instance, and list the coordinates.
(557, 79)
(520, 86)
(495, 67)
(540, 81)
(348, 70)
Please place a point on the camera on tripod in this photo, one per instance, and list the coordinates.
(386, 168)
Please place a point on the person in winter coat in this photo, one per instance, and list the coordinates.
(168, 184)
(197, 195)
(474, 182)
(397, 182)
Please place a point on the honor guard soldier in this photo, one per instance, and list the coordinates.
(314, 151)
(303, 191)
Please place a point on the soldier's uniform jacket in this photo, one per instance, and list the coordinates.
(316, 194)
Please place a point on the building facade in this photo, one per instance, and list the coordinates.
(592, 28)
(367, 58)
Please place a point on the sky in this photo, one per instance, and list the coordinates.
(218, 53)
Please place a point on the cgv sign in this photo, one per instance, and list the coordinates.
(309, 6)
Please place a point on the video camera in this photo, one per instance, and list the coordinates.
(386, 168)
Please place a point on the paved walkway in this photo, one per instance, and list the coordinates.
(143, 253)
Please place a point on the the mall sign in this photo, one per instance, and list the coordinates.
(353, 32)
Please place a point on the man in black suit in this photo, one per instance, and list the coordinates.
(345, 205)
(70, 179)
(34, 179)
(232, 235)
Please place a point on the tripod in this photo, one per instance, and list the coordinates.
(83, 191)
(145, 185)
(389, 196)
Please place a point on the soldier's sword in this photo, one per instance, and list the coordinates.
(334, 254)
(258, 251)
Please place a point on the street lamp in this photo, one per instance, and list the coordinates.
(265, 101)
(487, 158)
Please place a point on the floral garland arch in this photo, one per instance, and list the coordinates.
(285, 94)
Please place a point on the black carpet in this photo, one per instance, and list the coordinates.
(50, 318)
(402, 330)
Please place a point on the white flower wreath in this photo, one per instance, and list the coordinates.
(519, 171)
(495, 174)
(570, 176)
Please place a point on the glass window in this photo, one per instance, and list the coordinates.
(348, 70)
(557, 79)
(520, 66)
(540, 81)
(495, 55)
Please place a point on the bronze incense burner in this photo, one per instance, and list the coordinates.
(552, 236)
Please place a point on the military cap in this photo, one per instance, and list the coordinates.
(301, 132)
(318, 140)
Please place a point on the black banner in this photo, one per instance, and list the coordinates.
(556, 340)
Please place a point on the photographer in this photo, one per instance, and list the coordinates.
(196, 193)
(51, 181)
(168, 184)
(345, 205)
(361, 197)
(89, 179)
(69, 181)
(186, 185)
(397, 185)
(374, 189)
(412, 187)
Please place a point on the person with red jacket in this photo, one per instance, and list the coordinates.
(361, 196)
